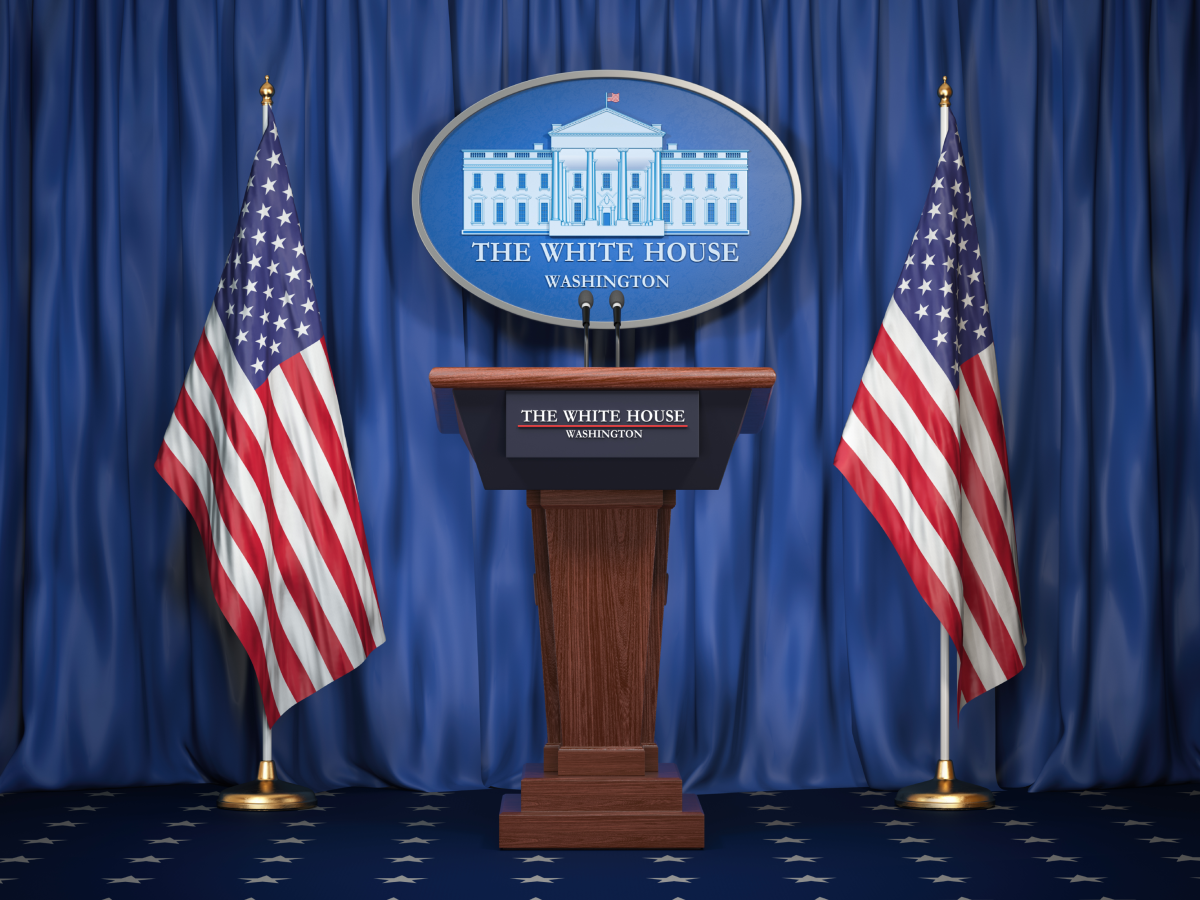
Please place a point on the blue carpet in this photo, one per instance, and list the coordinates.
(171, 842)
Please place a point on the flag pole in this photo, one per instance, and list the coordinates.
(944, 791)
(944, 636)
(266, 793)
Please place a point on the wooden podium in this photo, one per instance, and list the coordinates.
(601, 527)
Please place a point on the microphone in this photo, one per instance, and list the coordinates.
(585, 303)
(616, 300)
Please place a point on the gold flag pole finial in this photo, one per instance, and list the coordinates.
(267, 91)
(944, 92)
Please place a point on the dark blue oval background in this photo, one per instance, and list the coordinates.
(691, 120)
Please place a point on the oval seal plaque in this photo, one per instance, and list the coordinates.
(606, 180)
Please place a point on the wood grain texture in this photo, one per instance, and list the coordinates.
(600, 587)
(601, 577)
(541, 597)
(658, 600)
(685, 378)
(681, 829)
(652, 764)
(543, 791)
(597, 499)
(601, 761)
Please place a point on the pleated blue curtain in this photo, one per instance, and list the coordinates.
(796, 652)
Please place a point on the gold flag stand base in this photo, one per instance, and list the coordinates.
(945, 792)
(267, 793)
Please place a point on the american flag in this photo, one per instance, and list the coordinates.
(256, 451)
(924, 445)
(613, 98)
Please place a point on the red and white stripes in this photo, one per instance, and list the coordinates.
(266, 475)
(932, 466)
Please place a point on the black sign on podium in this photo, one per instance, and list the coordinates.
(486, 407)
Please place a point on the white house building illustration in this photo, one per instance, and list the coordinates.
(605, 175)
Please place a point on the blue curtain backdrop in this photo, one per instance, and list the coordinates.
(796, 651)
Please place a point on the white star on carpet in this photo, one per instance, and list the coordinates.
(265, 879)
(818, 878)
(153, 859)
(404, 879)
(1077, 878)
(414, 840)
(422, 822)
(67, 824)
(128, 879)
(286, 859)
(870, 793)
(19, 859)
(1053, 857)
(538, 879)
(777, 822)
(166, 840)
(787, 840)
(659, 859)
(911, 840)
(761, 808)
(290, 840)
(1133, 822)
(942, 878)
(416, 859)
(1158, 840)
(51, 841)
(896, 822)
(104, 794)
(1183, 858)
(882, 807)
(303, 822)
(671, 878)
(1015, 822)
(929, 858)
(1036, 840)
(84, 808)
(434, 808)
(185, 823)
(197, 808)
(798, 858)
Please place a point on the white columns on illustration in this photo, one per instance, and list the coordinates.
(605, 175)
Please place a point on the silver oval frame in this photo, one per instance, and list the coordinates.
(605, 73)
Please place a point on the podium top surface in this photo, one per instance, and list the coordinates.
(597, 378)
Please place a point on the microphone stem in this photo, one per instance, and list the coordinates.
(586, 360)
(617, 332)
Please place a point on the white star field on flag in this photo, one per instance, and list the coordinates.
(265, 295)
(941, 288)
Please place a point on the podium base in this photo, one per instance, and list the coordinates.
(681, 829)
(266, 793)
(561, 812)
(945, 792)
